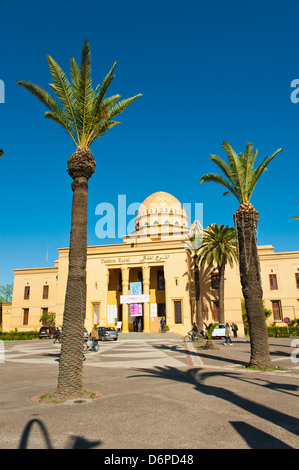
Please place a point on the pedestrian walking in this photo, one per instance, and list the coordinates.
(227, 335)
(94, 335)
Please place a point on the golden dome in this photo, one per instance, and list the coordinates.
(161, 215)
(160, 202)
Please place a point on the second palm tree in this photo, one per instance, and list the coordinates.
(240, 180)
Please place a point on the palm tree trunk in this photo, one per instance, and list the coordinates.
(246, 220)
(80, 166)
(199, 319)
(221, 270)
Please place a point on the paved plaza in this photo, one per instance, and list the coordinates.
(155, 392)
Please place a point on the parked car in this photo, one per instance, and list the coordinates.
(219, 331)
(107, 333)
(47, 332)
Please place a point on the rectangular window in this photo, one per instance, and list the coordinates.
(44, 310)
(273, 281)
(160, 280)
(276, 309)
(297, 280)
(25, 316)
(26, 292)
(96, 314)
(178, 311)
(45, 292)
(215, 281)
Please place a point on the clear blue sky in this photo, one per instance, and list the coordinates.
(209, 71)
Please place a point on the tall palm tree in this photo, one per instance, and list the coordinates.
(219, 248)
(240, 179)
(85, 114)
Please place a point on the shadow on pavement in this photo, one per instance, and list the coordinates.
(257, 439)
(74, 442)
(197, 378)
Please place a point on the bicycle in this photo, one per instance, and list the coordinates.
(89, 345)
(196, 337)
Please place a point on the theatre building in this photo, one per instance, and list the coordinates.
(148, 276)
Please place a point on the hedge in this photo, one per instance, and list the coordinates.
(18, 335)
(277, 331)
(282, 331)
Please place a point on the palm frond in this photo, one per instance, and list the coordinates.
(83, 112)
(122, 105)
(218, 246)
(239, 171)
(236, 168)
(64, 92)
(75, 76)
(261, 168)
(85, 93)
(215, 178)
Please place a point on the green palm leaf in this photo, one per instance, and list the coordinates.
(241, 177)
(57, 113)
(83, 112)
(218, 246)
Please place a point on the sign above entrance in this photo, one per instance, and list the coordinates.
(134, 299)
(135, 259)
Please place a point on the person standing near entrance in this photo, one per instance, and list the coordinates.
(227, 335)
(235, 330)
(162, 324)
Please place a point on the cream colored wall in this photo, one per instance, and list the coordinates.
(36, 279)
(6, 316)
(63, 268)
(101, 259)
(179, 284)
(97, 284)
(284, 265)
(177, 288)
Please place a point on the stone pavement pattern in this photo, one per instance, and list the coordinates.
(157, 392)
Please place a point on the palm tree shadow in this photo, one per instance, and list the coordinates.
(256, 438)
(197, 378)
(74, 442)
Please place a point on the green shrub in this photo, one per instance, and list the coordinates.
(277, 331)
(18, 335)
(282, 331)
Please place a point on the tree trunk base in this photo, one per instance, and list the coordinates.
(261, 365)
(61, 396)
(209, 344)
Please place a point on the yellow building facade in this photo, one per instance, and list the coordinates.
(157, 261)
